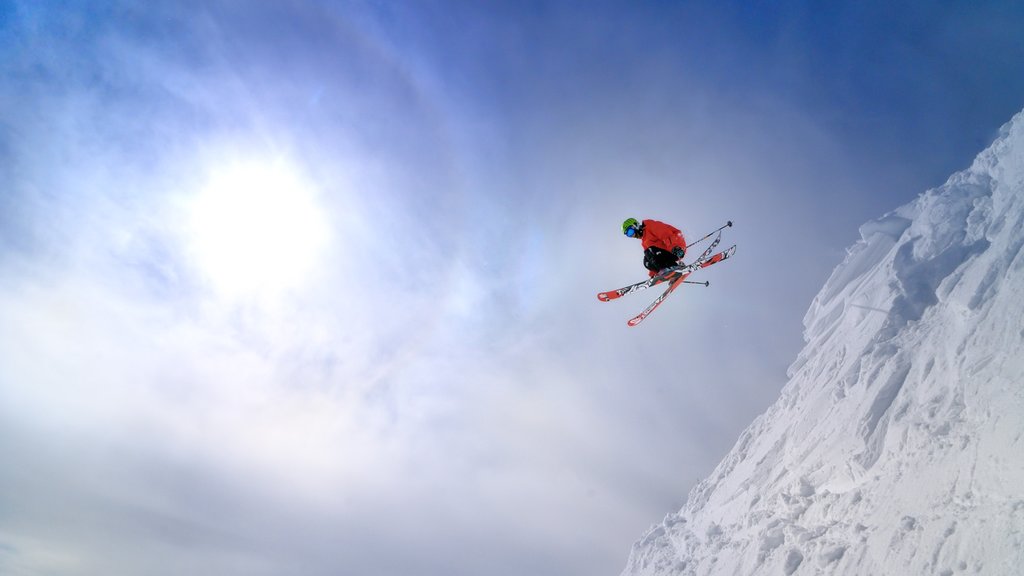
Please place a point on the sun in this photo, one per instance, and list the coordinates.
(256, 229)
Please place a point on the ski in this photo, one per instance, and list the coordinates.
(728, 252)
(678, 280)
(657, 301)
(654, 280)
(662, 276)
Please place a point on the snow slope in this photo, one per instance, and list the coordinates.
(896, 446)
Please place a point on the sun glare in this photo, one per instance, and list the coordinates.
(256, 229)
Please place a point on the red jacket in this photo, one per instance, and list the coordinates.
(661, 235)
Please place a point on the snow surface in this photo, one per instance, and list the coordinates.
(896, 446)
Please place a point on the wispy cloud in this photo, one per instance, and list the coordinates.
(399, 364)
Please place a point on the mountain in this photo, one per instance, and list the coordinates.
(897, 446)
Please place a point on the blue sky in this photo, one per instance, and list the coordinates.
(308, 287)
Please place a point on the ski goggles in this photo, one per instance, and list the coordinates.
(631, 231)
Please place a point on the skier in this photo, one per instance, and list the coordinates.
(664, 248)
(664, 245)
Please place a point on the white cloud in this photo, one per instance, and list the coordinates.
(407, 369)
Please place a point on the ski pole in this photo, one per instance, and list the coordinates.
(705, 283)
(712, 233)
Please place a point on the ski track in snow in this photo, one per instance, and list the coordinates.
(896, 446)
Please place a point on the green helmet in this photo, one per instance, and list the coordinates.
(630, 224)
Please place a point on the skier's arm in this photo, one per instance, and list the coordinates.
(666, 236)
(674, 242)
(678, 243)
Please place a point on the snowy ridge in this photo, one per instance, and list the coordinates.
(896, 446)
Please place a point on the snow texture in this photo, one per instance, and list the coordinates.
(896, 446)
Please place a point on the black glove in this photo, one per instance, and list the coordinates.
(679, 252)
(658, 259)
